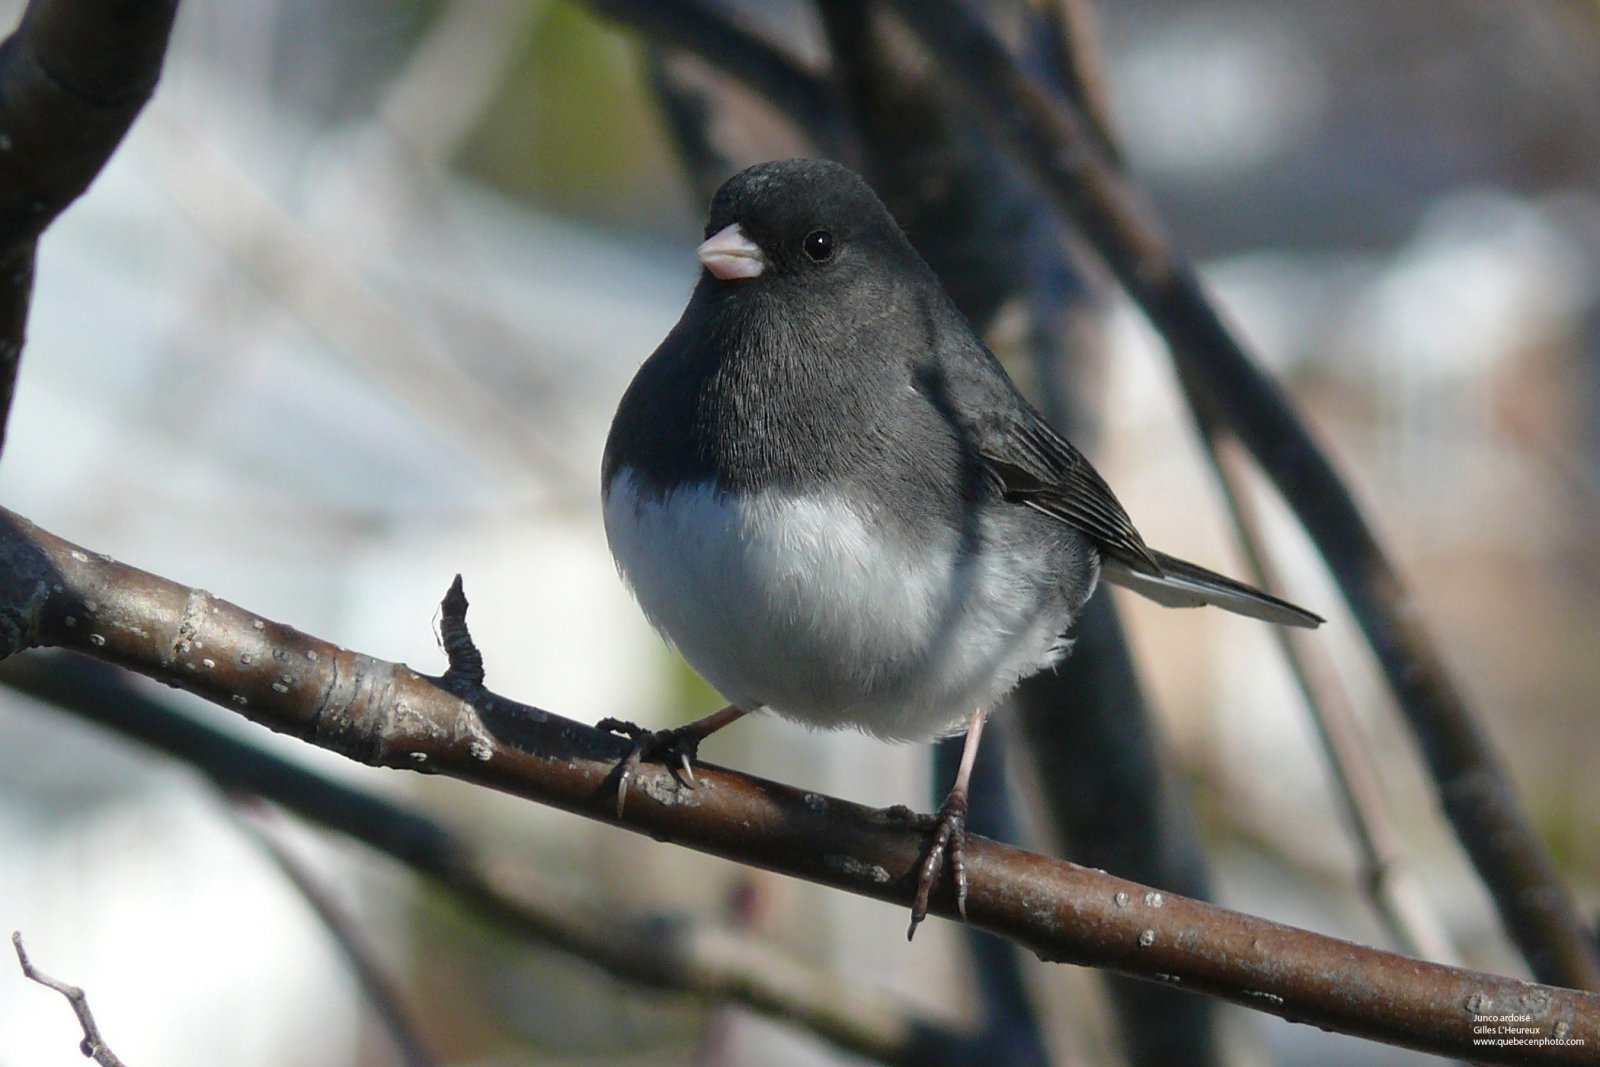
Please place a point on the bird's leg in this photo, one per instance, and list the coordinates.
(950, 832)
(681, 742)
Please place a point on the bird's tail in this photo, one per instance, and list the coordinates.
(1187, 585)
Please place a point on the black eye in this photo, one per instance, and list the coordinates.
(819, 246)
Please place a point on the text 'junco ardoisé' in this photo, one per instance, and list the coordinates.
(827, 494)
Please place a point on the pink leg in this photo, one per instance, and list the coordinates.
(681, 741)
(950, 832)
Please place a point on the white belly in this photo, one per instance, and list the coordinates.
(804, 606)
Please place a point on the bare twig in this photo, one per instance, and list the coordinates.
(669, 952)
(93, 1045)
(382, 994)
(72, 78)
(1051, 140)
(54, 593)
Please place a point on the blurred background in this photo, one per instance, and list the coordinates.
(351, 308)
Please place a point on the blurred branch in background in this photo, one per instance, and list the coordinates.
(56, 594)
(73, 76)
(713, 34)
(1387, 878)
(359, 954)
(996, 241)
(1390, 885)
(299, 270)
(1047, 136)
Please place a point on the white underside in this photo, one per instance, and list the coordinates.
(803, 606)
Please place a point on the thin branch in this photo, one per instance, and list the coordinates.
(689, 113)
(93, 1045)
(706, 31)
(1389, 885)
(1051, 140)
(1393, 894)
(382, 994)
(72, 78)
(1074, 49)
(54, 593)
(669, 952)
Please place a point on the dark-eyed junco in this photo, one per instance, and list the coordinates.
(827, 494)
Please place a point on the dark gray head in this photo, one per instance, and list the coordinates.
(777, 223)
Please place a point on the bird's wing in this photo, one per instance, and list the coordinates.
(1076, 494)
(1039, 468)
(1036, 467)
(1032, 464)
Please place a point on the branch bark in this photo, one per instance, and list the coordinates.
(669, 952)
(1051, 140)
(385, 714)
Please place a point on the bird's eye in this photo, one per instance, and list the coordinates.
(818, 246)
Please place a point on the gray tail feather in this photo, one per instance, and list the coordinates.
(1187, 585)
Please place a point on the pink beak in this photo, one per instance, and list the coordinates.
(728, 254)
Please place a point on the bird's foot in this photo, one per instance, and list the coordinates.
(949, 839)
(676, 748)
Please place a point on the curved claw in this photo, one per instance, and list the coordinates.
(949, 836)
(681, 742)
(625, 771)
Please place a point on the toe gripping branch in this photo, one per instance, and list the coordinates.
(676, 748)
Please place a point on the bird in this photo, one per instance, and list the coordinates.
(825, 491)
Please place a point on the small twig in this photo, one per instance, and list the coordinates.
(93, 1045)
(382, 994)
(466, 662)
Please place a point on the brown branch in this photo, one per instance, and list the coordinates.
(1051, 139)
(72, 78)
(670, 952)
(54, 593)
(93, 1045)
